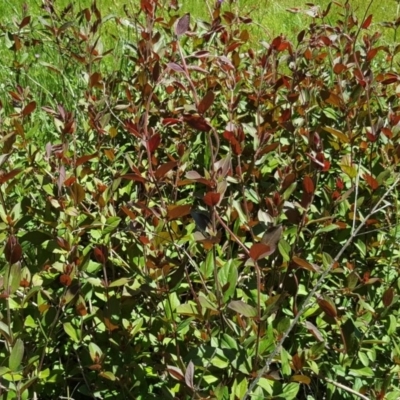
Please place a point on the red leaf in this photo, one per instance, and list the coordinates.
(70, 181)
(206, 102)
(13, 250)
(259, 250)
(308, 185)
(177, 211)
(80, 308)
(372, 53)
(154, 142)
(197, 122)
(170, 121)
(272, 236)
(327, 307)
(6, 177)
(65, 280)
(63, 243)
(339, 68)
(29, 108)
(388, 296)
(25, 21)
(304, 264)
(101, 254)
(86, 158)
(134, 177)
(367, 22)
(212, 198)
(372, 182)
(164, 168)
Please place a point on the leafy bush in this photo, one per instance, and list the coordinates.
(187, 216)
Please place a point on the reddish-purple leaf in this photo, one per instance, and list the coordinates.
(272, 236)
(367, 22)
(101, 254)
(201, 54)
(259, 250)
(372, 182)
(6, 177)
(304, 264)
(29, 108)
(154, 142)
(308, 185)
(175, 373)
(197, 122)
(212, 198)
(25, 22)
(164, 168)
(178, 211)
(314, 330)
(86, 158)
(171, 121)
(189, 374)
(327, 307)
(13, 250)
(175, 67)
(61, 178)
(182, 25)
(388, 296)
(134, 177)
(206, 102)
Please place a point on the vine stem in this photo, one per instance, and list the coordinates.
(316, 288)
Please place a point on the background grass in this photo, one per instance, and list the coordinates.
(271, 17)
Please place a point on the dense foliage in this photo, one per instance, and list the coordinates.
(169, 202)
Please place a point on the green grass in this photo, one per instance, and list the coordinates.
(270, 18)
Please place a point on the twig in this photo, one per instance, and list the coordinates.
(314, 290)
(347, 389)
(356, 197)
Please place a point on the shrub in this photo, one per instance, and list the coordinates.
(207, 219)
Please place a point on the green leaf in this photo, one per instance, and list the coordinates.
(363, 358)
(392, 325)
(107, 375)
(187, 309)
(327, 228)
(111, 224)
(207, 266)
(136, 327)
(284, 249)
(71, 332)
(366, 371)
(326, 260)
(206, 303)
(239, 389)
(290, 391)
(220, 361)
(94, 351)
(228, 276)
(119, 282)
(16, 356)
(15, 277)
(242, 308)
(285, 361)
